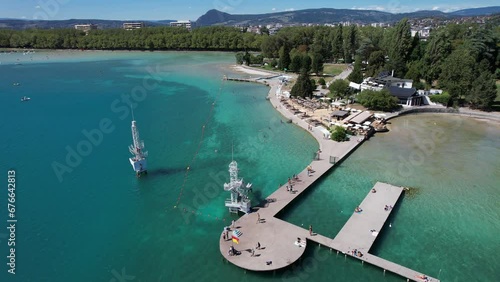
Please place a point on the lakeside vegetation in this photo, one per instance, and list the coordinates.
(462, 59)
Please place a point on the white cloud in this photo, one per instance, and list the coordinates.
(435, 8)
(273, 9)
(37, 7)
(23, 17)
(371, 7)
(290, 10)
(226, 9)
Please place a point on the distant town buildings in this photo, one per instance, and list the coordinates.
(423, 32)
(185, 24)
(85, 27)
(131, 26)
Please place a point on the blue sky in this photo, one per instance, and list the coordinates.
(192, 9)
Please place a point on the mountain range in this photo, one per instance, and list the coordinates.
(329, 15)
(313, 16)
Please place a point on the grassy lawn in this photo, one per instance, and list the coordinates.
(334, 69)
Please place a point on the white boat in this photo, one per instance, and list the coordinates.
(138, 162)
(24, 99)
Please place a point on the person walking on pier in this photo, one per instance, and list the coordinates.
(310, 230)
(258, 217)
(258, 246)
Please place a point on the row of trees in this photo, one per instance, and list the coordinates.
(152, 38)
(463, 59)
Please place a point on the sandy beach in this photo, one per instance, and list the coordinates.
(252, 71)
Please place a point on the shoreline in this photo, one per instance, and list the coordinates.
(279, 255)
(493, 117)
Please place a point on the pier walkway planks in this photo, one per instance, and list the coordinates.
(277, 238)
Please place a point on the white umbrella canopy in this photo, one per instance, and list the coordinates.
(338, 104)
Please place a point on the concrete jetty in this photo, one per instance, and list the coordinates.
(278, 239)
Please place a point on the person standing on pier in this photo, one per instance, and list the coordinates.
(310, 230)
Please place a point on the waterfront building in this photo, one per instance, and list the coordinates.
(131, 26)
(185, 24)
(85, 27)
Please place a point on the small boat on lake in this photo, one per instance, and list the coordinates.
(25, 99)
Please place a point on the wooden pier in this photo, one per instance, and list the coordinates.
(278, 238)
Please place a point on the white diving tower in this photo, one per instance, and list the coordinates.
(138, 162)
(239, 191)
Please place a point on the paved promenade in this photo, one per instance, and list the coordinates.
(277, 238)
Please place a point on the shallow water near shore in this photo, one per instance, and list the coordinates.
(447, 224)
(101, 223)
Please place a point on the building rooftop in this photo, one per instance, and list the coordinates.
(339, 114)
(362, 117)
(402, 93)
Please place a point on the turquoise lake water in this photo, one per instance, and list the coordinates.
(100, 223)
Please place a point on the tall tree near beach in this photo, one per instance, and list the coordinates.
(350, 43)
(339, 88)
(376, 63)
(296, 63)
(337, 47)
(457, 75)
(303, 87)
(484, 90)
(306, 62)
(437, 50)
(356, 74)
(317, 63)
(284, 60)
(400, 48)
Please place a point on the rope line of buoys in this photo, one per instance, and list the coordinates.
(193, 159)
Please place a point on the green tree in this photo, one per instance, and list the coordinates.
(401, 47)
(321, 81)
(457, 74)
(350, 43)
(337, 44)
(415, 73)
(317, 63)
(303, 87)
(376, 63)
(339, 88)
(239, 58)
(378, 100)
(306, 62)
(437, 50)
(264, 30)
(339, 134)
(443, 99)
(284, 60)
(484, 90)
(356, 74)
(247, 58)
(296, 63)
